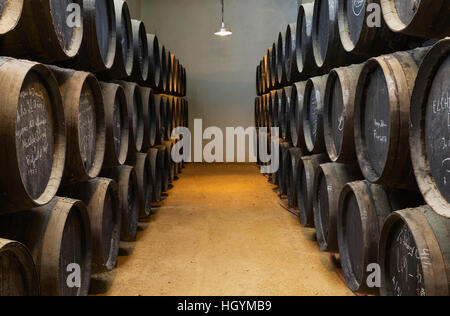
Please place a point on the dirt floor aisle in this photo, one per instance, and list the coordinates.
(222, 232)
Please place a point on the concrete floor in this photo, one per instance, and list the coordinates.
(222, 232)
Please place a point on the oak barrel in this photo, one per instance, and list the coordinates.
(313, 106)
(85, 123)
(32, 135)
(101, 197)
(292, 72)
(425, 18)
(126, 178)
(296, 115)
(18, 276)
(363, 208)
(382, 118)
(339, 106)
(157, 170)
(39, 29)
(149, 118)
(306, 64)
(308, 167)
(135, 118)
(117, 125)
(326, 44)
(430, 128)
(329, 181)
(362, 35)
(415, 254)
(291, 170)
(98, 49)
(140, 49)
(281, 59)
(59, 238)
(154, 62)
(124, 57)
(144, 184)
(166, 167)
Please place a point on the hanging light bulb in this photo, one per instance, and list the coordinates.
(223, 31)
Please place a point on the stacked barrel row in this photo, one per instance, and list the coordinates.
(86, 128)
(363, 115)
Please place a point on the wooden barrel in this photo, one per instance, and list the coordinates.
(38, 30)
(291, 170)
(263, 78)
(186, 114)
(282, 170)
(157, 168)
(270, 68)
(267, 71)
(339, 109)
(163, 73)
(98, 49)
(184, 83)
(60, 241)
(169, 72)
(269, 103)
(32, 134)
(329, 181)
(117, 125)
(304, 51)
(126, 178)
(144, 185)
(162, 115)
(275, 175)
(84, 114)
(124, 58)
(101, 197)
(414, 254)
(296, 115)
(430, 128)
(281, 59)
(141, 53)
(314, 99)
(171, 165)
(170, 104)
(172, 62)
(175, 69)
(292, 73)
(149, 118)
(258, 80)
(308, 167)
(363, 208)
(154, 62)
(176, 112)
(165, 171)
(359, 37)
(17, 270)
(179, 80)
(160, 118)
(327, 47)
(275, 108)
(10, 14)
(382, 118)
(425, 18)
(135, 118)
(285, 111)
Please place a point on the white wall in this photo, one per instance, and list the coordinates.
(221, 71)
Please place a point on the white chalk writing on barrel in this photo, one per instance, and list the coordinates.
(358, 7)
(379, 132)
(31, 133)
(442, 105)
